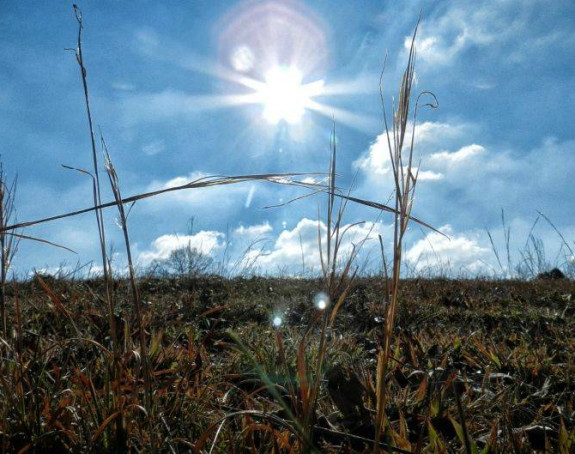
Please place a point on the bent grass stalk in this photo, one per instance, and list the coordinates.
(204, 182)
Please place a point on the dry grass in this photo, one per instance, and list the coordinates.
(405, 179)
(506, 349)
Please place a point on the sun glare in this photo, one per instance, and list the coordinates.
(278, 52)
(321, 301)
(283, 95)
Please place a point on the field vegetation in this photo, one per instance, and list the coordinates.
(493, 357)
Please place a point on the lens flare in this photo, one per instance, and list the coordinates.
(271, 53)
(276, 32)
(242, 59)
(277, 321)
(321, 301)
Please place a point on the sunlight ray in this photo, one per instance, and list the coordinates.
(359, 122)
(213, 102)
(363, 85)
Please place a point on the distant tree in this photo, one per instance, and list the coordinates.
(189, 261)
(186, 261)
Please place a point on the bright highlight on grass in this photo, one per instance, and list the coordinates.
(321, 301)
(277, 321)
(283, 95)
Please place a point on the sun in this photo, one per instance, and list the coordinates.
(283, 95)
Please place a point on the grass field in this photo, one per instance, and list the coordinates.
(493, 357)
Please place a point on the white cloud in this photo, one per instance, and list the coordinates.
(282, 253)
(441, 39)
(500, 25)
(312, 180)
(190, 196)
(429, 136)
(457, 157)
(526, 180)
(253, 231)
(180, 181)
(299, 247)
(457, 251)
(376, 160)
(206, 241)
(429, 175)
(436, 133)
(472, 182)
(438, 49)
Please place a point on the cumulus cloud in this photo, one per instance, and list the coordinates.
(429, 137)
(457, 252)
(525, 180)
(436, 133)
(206, 241)
(299, 247)
(473, 182)
(288, 251)
(474, 175)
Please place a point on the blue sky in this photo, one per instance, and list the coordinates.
(168, 89)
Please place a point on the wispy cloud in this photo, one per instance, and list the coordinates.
(154, 148)
(500, 25)
(168, 104)
(123, 86)
(428, 175)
